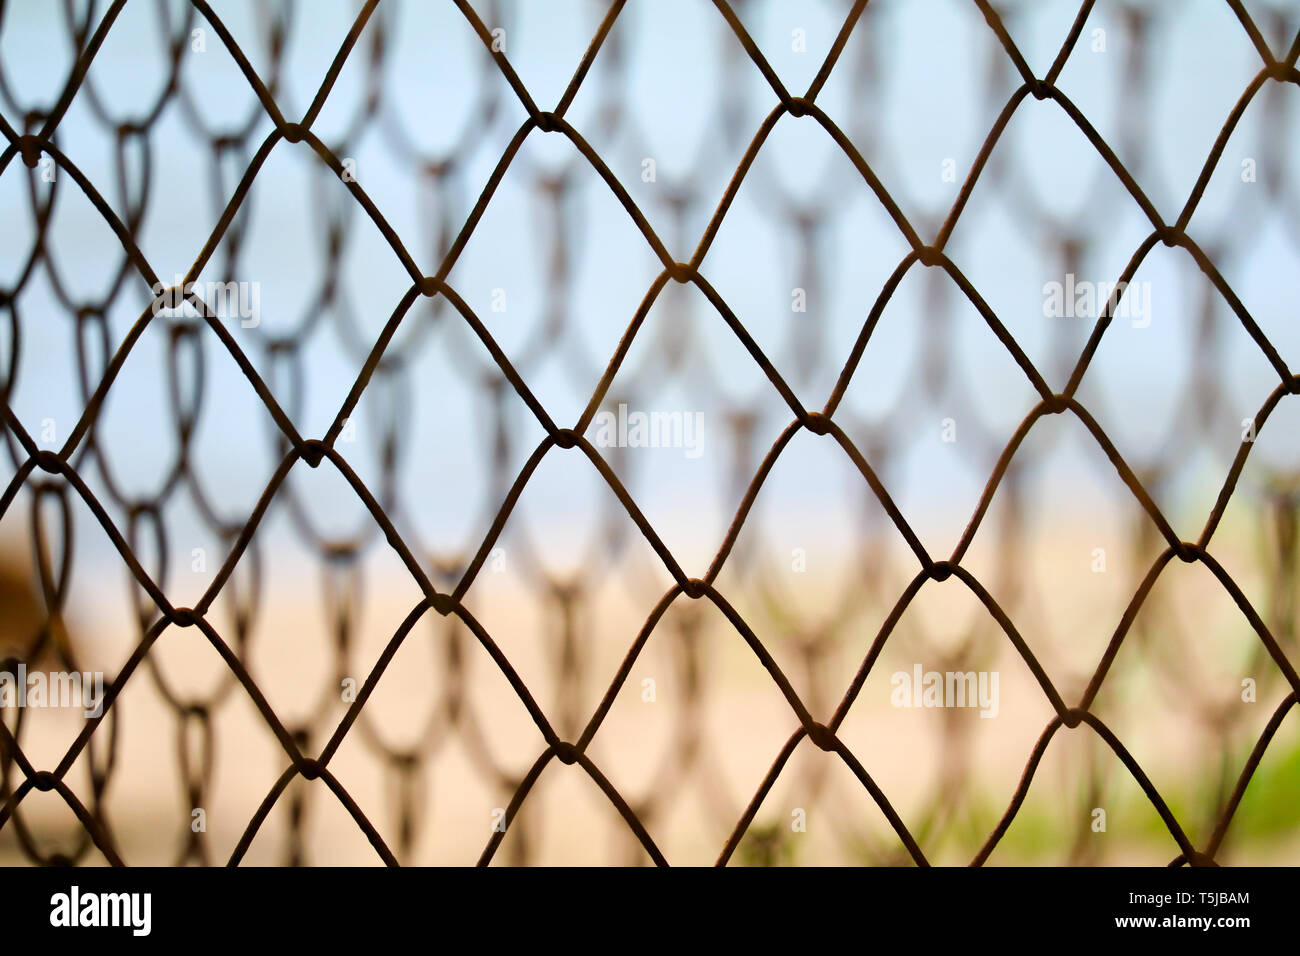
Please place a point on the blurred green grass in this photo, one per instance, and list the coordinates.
(1269, 812)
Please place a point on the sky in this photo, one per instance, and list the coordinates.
(913, 94)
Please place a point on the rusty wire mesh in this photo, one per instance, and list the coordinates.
(275, 367)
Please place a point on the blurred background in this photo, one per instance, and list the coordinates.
(556, 272)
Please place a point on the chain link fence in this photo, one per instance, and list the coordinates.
(366, 340)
